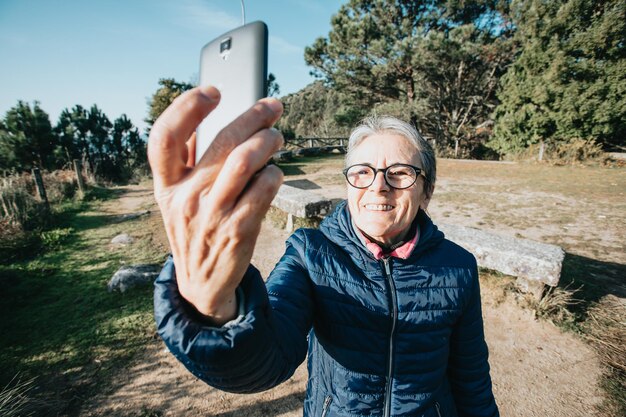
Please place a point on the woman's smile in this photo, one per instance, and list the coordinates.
(378, 207)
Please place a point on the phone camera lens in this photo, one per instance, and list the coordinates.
(225, 45)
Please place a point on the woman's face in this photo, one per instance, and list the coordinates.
(383, 213)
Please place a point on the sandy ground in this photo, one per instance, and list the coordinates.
(537, 370)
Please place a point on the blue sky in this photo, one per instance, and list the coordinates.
(113, 52)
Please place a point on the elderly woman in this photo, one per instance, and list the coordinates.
(387, 309)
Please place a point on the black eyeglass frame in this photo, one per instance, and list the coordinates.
(418, 172)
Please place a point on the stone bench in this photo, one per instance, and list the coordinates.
(289, 155)
(298, 203)
(282, 156)
(534, 264)
(338, 149)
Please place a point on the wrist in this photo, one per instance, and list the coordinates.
(219, 314)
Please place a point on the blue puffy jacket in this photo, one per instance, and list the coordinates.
(392, 337)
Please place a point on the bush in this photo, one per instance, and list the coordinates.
(23, 216)
(52, 239)
(577, 151)
(574, 151)
(18, 205)
(16, 243)
(60, 185)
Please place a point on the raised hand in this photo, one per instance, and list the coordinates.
(213, 211)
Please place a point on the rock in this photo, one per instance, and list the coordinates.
(534, 263)
(122, 239)
(128, 277)
(301, 203)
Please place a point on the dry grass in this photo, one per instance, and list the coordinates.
(605, 330)
(17, 202)
(15, 398)
(556, 305)
(60, 185)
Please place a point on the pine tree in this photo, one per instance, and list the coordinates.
(569, 79)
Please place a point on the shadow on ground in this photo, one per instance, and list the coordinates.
(592, 279)
(273, 407)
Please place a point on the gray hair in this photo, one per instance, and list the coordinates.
(375, 125)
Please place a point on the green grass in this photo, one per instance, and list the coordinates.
(59, 324)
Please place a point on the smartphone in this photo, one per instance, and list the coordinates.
(236, 64)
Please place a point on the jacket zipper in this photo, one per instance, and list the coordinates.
(394, 318)
(327, 402)
(438, 409)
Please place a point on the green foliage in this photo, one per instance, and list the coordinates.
(163, 97)
(273, 89)
(313, 111)
(26, 138)
(110, 151)
(434, 63)
(52, 239)
(568, 82)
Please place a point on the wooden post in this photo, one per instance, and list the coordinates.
(456, 148)
(78, 169)
(541, 150)
(310, 143)
(40, 188)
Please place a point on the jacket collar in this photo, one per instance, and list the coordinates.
(337, 227)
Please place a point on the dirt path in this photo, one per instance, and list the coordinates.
(536, 369)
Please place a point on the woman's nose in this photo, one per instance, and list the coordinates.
(379, 184)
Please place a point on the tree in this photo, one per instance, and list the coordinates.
(312, 111)
(99, 127)
(569, 79)
(436, 62)
(273, 89)
(163, 97)
(68, 135)
(27, 137)
(73, 129)
(126, 143)
(85, 134)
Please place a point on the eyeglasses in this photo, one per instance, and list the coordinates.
(398, 176)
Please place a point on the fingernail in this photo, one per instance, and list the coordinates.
(274, 104)
(211, 92)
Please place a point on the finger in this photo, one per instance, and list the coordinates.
(241, 165)
(256, 200)
(242, 226)
(260, 116)
(191, 151)
(166, 146)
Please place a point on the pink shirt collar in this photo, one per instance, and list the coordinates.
(402, 252)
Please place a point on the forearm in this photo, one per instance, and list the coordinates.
(243, 355)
